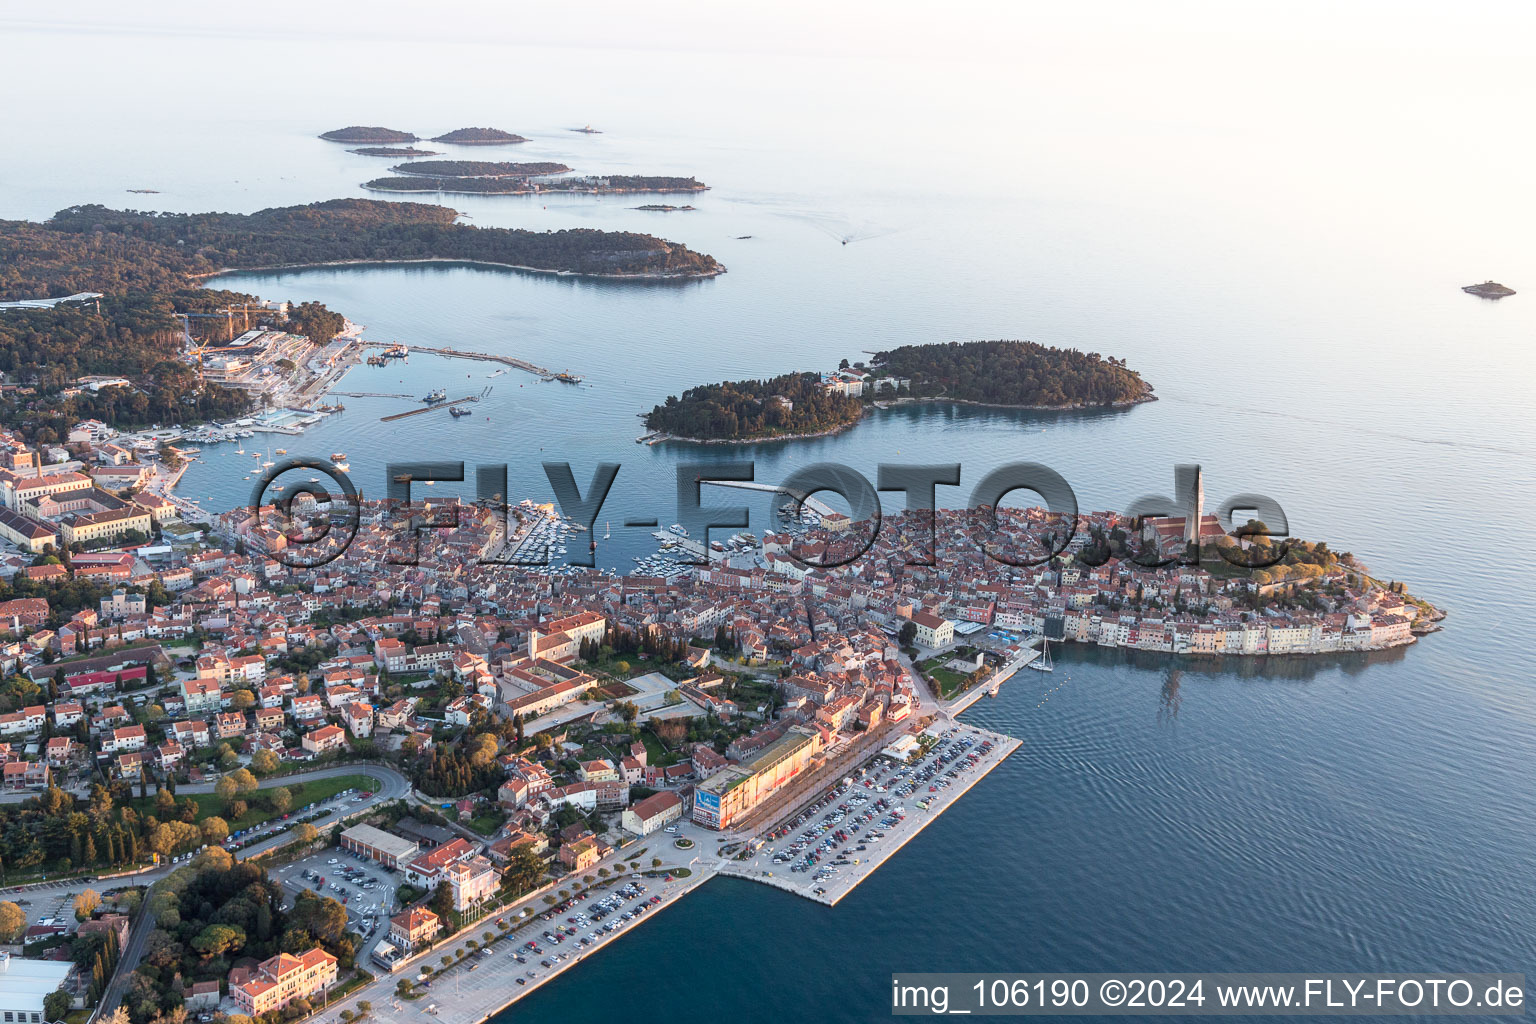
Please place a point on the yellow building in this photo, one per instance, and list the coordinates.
(25, 532)
(108, 524)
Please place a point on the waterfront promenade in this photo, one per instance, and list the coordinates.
(476, 987)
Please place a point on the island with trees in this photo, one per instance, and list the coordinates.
(1012, 374)
(374, 135)
(790, 405)
(397, 152)
(664, 208)
(516, 185)
(480, 168)
(479, 137)
(1015, 374)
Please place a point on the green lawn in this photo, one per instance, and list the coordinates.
(950, 682)
(487, 824)
(656, 753)
(304, 794)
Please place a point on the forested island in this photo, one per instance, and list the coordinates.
(791, 405)
(663, 208)
(479, 168)
(375, 135)
(479, 137)
(1016, 374)
(408, 152)
(148, 266)
(1022, 374)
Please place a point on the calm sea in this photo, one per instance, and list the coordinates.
(1275, 238)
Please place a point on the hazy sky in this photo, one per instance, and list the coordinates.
(994, 30)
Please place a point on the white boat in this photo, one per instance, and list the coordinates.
(1043, 663)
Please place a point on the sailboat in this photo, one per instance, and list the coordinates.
(607, 530)
(1043, 663)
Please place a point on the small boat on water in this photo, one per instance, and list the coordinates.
(456, 412)
(1043, 663)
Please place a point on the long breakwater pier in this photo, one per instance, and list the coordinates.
(455, 353)
(821, 508)
(435, 406)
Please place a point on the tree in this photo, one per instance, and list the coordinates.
(215, 830)
(245, 781)
(12, 921)
(442, 900)
(907, 633)
(237, 809)
(85, 904)
(56, 1004)
(320, 916)
(217, 939)
(280, 800)
(226, 789)
(242, 700)
(265, 762)
(305, 833)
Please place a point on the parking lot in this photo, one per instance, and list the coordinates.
(365, 888)
(833, 844)
(544, 943)
(53, 906)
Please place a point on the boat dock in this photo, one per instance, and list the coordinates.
(995, 682)
(485, 357)
(430, 408)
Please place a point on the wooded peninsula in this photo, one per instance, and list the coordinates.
(1014, 374)
(148, 266)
